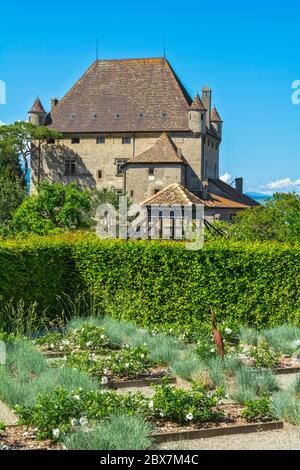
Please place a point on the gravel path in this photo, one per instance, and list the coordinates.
(267, 440)
(6, 415)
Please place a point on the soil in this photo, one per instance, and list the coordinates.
(23, 438)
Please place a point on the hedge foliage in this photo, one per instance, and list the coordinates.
(156, 282)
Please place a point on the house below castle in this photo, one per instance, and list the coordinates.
(131, 124)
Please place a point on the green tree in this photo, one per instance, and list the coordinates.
(11, 196)
(279, 220)
(18, 140)
(55, 208)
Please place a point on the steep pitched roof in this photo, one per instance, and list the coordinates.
(197, 104)
(163, 151)
(174, 193)
(123, 96)
(37, 106)
(214, 116)
(227, 191)
(177, 194)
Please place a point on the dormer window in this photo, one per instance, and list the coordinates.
(75, 140)
(70, 167)
(50, 141)
(100, 140)
(126, 140)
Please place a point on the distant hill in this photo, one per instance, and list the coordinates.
(259, 197)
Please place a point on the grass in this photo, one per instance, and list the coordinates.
(20, 318)
(27, 374)
(284, 338)
(186, 366)
(248, 336)
(285, 406)
(215, 367)
(251, 385)
(121, 432)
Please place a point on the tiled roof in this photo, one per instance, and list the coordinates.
(174, 193)
(198, 104)
(123, 96)
(163, 151)
(37, 107)
(228, 192)
(214, 116)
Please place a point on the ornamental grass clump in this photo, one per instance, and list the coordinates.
(186, 365)
(119, 432)
(286, 406)
(283, 338)
(250, 385)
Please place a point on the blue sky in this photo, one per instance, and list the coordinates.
(247, 52)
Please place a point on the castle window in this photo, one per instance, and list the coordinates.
(119, 163)
(99, 174)
(156, 191)
(117, 116)
(202, 116)
(50, 141)
(94, 116)
(75, 140)
(126, 140)
(141, 115)
(151, 171)
(131, 193)
(70, 167)
(73, 116)
(164, 114)
(206, 169)
(100, 140)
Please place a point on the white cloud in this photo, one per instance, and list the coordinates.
(285, 183)
(226, 177)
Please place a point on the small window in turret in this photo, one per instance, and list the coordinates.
(202, 117)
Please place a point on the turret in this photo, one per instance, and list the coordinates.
(206, 99)
(197, 116)
(37, 114)
(216, 121)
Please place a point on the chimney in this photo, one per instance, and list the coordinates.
(239, 185)
(206, 100)
(54, 102)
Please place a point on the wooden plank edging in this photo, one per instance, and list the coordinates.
(215, 432)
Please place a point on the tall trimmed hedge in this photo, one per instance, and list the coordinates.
(157, 282)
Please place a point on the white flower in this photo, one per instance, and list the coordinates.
(127, 365)
(105, 371)
(51, 346)
(102, 336)
(142, 356)
(88, 344)
(61, 348)
(83, 421)
(161, 414)
(127, 346)
(65, 342)
(55, 433)
(74, 422)
(109, 358)
(189, 417)
(104, 380)
(212, 350)
(77, 397)
(151, 404)
(228, 331)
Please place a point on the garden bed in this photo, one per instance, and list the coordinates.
(24, 438)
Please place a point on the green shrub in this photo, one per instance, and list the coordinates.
(264, 357)
(120, 432)
(156, 282)
(257, 410)
(185, 406)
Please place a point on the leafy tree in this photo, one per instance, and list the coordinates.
(11, 196)
(55, 208)
(106, 196)
(279, 220)
(18, 140)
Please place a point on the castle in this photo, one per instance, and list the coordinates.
(130, 124)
